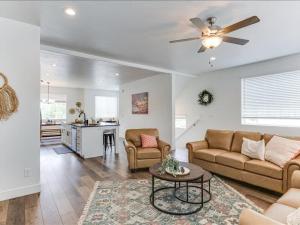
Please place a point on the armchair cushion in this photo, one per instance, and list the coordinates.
(208, 154)
(219, 139)
(250, 217)
(291, 198)
(279, 212)
(148, 141)
(134, 135)
(148, 153)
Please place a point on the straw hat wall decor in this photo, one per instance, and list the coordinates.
(8, 99)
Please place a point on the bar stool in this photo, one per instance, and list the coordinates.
(108, 139)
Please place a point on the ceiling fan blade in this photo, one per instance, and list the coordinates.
(239, 25)
(234, 40)
(200, 24)
(202, 49)
(186, 39)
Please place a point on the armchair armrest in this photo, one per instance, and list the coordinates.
(295, 182)
(129, 145)
(250, 217)
(131, 154)
(288, 170)
(193, 146)
(164, 148)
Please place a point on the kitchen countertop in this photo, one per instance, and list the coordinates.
(101, 124)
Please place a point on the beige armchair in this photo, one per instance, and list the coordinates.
(277, 213)
(139, 157)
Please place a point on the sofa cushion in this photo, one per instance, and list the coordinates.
(268, 137)
(219, 139)
(208, 154)
(291, 198)
(280, 150)
(148, 153)
(232, 159)
(279, 212)
(264, 168)
(238, 139)
(254, 149)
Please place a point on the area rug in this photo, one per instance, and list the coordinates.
(127, 202)
(62, 150)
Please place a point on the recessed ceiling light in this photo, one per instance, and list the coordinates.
(117, 74)
(70, 12)
(213, 58)
(54, 65)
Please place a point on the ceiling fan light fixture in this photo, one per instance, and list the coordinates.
(212, 41)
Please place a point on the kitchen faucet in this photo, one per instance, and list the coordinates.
(84, 117)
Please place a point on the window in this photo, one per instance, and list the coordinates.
(106, 107)
(272, 100)
(55, 109)
(180, 121)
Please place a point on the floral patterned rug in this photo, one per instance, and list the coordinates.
(127, 202)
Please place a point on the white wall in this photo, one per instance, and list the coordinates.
(160, 105)
(19, 135)
(89, 100)
(73, 95)
(225, 111)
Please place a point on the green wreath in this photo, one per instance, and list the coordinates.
(205, 97)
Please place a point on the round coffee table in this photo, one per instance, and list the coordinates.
(206, 179)
(196, 175)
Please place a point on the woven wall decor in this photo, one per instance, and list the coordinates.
(9, 102)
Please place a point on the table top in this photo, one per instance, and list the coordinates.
(196, 172)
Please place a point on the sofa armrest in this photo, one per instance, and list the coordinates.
(164, 147)
(250, 217)
(288, 171)
(295, 182)
(193, 146)
(131, 154)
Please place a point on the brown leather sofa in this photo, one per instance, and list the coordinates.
(139, 157)
(277, 213)
(220, 153)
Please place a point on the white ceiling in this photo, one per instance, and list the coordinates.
(139, 31)
(63, 70)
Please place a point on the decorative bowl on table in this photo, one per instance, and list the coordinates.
(172, 166)
(182, 171)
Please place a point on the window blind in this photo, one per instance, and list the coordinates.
(106, 107)
(275, 96)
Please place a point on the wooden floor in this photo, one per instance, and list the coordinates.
(67, 181)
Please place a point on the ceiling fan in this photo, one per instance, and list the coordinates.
(212, 35)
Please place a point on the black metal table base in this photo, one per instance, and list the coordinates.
(186, 200)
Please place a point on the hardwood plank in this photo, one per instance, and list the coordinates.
(33, 213)
(3, 211)
(16, 212)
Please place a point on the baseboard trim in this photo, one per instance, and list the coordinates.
(21, 191)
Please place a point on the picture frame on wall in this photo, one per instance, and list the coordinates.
(140, 103)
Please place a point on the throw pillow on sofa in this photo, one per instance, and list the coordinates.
(280, 150)
(253, 149)
(148, 141)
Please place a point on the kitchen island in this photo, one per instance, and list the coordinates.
(87, 140)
